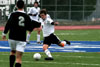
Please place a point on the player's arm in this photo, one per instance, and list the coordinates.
(30, 25)
(52, 22)
(6, 29)
(32, 14)
(55, 23)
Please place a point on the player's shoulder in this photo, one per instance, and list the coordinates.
(40, 19)
(32, 8)
(38, 8)
(19, 13)
(48, 16)
(49, 19)
(11, 14)
(15, 12)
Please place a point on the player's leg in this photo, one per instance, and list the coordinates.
(37, 27)
(12, 58)
(46, 44)
(56, 40)
(19, 52)
(12, 53)
(38, 35)
(63, 43)
(18, 59)
(28, 37)
(47, 52)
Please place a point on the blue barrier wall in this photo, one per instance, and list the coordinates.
(76, 46)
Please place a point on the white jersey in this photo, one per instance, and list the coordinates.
(47, 27)
(34, 10)
(48, 16)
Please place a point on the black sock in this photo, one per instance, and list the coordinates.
(12, 60)
(17, 65)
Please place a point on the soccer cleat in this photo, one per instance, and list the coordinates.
(39, 42)
(49, 58)
(63, 43)
(68, 42)
(28, 42)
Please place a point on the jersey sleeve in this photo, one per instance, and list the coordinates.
(39, 9)
(30, 11)
(29, 24)
(48, 16)
(8, 24)
(49, 20)
(40, 20)
(36, 24)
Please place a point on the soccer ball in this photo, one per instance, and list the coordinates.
(37, 56)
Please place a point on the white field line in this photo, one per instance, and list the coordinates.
(76, 56)
(66, 56)
(72, 34)
(66, 63)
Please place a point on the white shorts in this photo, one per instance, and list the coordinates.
(17, 45)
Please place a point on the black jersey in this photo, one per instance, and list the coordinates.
(17, 25)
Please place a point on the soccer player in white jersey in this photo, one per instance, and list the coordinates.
(34, 15)
(17, 26)
(48, 34)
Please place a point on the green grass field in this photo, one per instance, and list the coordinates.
(88, 59)
(61, 60)
(72, 35)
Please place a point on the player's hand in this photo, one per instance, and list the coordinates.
(56, 23)
(4, 37)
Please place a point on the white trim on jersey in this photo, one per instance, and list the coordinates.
(20, 11)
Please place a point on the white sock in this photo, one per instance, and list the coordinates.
(47, 52)
(38, 37)
(28, 37)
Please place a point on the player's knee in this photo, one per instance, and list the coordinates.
(38, 32)
(29, 32)
(45, 47)
(18, 60)
(13, 52)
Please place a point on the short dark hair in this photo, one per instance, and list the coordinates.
(43, 11)
(36, 2)
(20, 4)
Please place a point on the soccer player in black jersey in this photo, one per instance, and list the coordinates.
(18, 24)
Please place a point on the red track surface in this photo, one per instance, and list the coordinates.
(71, 27)
(76, 27)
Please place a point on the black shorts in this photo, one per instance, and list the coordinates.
(51, 39)
(36, 24)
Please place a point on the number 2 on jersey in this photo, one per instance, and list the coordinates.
(21, 21)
